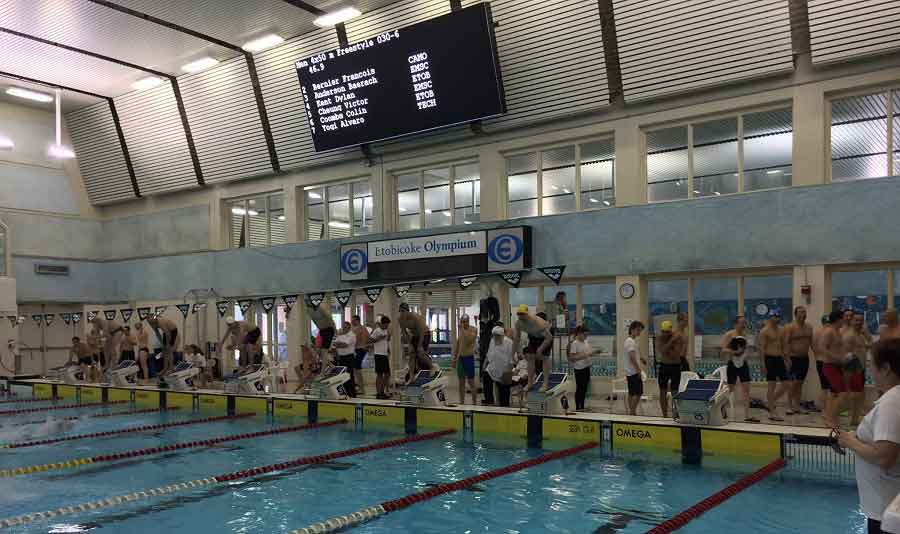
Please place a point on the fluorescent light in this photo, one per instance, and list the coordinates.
(260, 44)
(6, 143)
(252, 213)
(239, 211)
(774, 172)
(60, 152)
(199, 65)
(566, 191)
(606, 203)
(281, 217)
(677, 183)
(447, 214)
(467, 222)
(338, 224)
(697, 192)
(29, 94)
(313, 194)
(146, 83)
(403, 209)
(555, 187)
(429, 211)
(717, 193)
(592, 199)
(337, 17)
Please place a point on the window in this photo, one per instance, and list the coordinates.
(3, 249)
(764, 295)
(329, 214)
(272, 326)
(721, 156)
(257, 221)
(436, 197)
(862, 291)
(599, 316)
(666, 299)
(561, 180)
(862, 137)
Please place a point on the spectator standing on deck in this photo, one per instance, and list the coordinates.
(362, 343)
(580, 358)
(345, 348)
(380, 340)
(633, 362)
(501, 358)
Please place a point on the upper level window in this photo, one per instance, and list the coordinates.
(561, 180)
(339, 210)
(720, 156)
(441, 196)
(257, 221)
(3, 250)
(862, 136)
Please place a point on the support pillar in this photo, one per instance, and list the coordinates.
(628, 310)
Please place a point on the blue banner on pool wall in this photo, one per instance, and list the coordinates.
(437, 256)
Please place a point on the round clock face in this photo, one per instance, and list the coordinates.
(626, 291)
(761, 309)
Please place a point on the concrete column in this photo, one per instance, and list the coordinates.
(387, 305)
(492, 169)
(297, 335)
(627, 310)
(810, 134)
(292, 221)
(382, 199)
(818, 303)
(630, 181)
(219, 238)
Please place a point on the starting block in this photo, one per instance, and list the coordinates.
(427, 389)
(179, 378)
(330, 384)
(554, 401)
(123, 375)
(703, 402)
(69, 373)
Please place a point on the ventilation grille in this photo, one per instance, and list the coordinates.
(842, 29)
(100, 156)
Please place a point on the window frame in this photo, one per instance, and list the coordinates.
(451, 181)
(230, 203)
(577, 189)
(5, 250)
(689, 124)
(326, 212)
(889, 112)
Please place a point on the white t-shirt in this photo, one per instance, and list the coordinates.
(877, 487)
(631, 346)
(380, 346)
(499, 358)
(580, 347)
(350, 339)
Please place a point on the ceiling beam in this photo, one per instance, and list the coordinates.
(49, 84)
(611, 52)
(251, 68)
(309, 8)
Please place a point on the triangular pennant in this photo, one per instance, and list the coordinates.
(289, 302)
(48, 318)
(554, 273)
(244, 305)
(466, 281)
(76, 317)
(267, 304)
(143, 313)
(402, 290)
(37, 319)
(184, 309)
(109, 314)
(343, 296)
(159, 310)
(91, 315)
(126, 314)
(12, 320)
(66, 317)
(315, 299)
(198, 306)
(373, 293)
(222, 307)
(513, 278)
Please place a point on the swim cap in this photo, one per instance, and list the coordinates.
(498, 331)
(521, 308)
(464, 318)
(666, 326)
(738, 343)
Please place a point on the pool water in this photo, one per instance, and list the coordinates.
(586, 493)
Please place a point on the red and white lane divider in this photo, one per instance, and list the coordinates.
(17, 401)
(128, 430)
(373, 512)
(685, 517)
(183, 486)
(77, 462)
(131, 412)
(61, 407)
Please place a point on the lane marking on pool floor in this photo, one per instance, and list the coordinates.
(78, 462)
(94, 415)
(127, 430)
(247, 473)
(685, 517)
(373, 512)
(6, 413)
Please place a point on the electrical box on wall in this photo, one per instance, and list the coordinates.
(52, 270)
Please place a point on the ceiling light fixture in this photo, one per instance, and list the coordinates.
(6, 143)
(146, 83)
(447, 214)
(467, 222)
(313, 194)
(242, 211)
(697, 192)
(337, 17)
(717, 193)
(338, 224)
(429, 211)
(59, 151)
(606, 203)
(566, 191)
(199, 65)
(260, 44)
(281, 217)
(402, 209)
(252, 213)
(774, 172)
(29, 94)
(592, 199)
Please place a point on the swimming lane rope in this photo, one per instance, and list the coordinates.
(61, 407)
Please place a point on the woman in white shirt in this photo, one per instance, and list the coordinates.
(876, 441)
(633, 362)
(500, 362)
(580, 353)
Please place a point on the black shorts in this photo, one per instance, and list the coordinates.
(100, 358)
(127, 355)
(382, 364)
(775, 369)
(256, 359)
(635, 385)
(742, 372)
(669, 373)
(823, 381)
(360, 356)
(534, 343)
(327, 335)
(86, 360)
(799, 368)
(414, 341)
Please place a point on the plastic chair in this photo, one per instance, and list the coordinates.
(685, 377)
(619, 387)
(722, 373)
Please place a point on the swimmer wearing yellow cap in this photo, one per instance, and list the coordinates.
(668, 373)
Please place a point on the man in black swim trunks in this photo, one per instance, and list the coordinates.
(321, 317)
(82, 353)
(798, 338)
(166, 332)
(419, 339)
(669, 371)
(734, 346)
(776, 363)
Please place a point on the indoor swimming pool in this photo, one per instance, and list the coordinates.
(588, 492)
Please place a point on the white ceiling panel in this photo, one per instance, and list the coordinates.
(70, 99)
(840, 29)
(92, 27)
